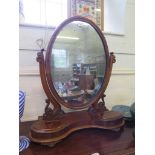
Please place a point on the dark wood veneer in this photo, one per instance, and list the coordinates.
(86, 142)
(56, 130)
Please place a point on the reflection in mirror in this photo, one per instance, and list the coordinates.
(78, 63)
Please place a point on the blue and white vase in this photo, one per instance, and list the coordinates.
(23, 140)
(21, 103)
(23, 143)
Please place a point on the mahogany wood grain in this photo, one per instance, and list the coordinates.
(40, 59)
(55, 130)
(86, 142)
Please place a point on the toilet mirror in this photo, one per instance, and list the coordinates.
(76, 62)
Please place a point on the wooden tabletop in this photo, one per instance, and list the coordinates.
(86, 142)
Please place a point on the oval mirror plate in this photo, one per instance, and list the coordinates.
(77, 63)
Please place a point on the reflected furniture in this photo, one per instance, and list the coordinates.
(75, 74)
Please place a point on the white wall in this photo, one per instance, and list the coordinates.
(121, 88)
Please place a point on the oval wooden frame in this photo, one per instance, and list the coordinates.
(57, 99)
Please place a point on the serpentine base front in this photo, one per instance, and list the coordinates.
(51, 132)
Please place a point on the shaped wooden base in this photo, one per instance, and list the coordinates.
(51, 132)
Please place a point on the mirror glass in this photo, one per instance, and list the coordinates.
(78, 63)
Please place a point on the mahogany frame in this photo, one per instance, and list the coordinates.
(108, 64)
(55, 124)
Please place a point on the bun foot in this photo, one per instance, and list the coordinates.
(51, 144)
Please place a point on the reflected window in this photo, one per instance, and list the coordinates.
(60, 58)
